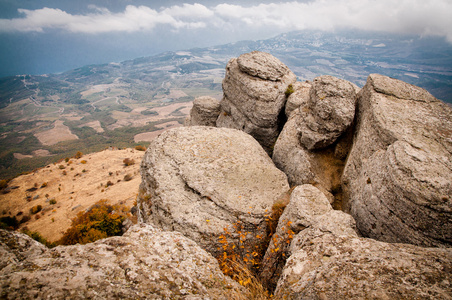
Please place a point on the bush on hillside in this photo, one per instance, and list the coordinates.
(100, 221)
(128, 161)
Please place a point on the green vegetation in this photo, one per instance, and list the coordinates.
(39, 238)
(289, 90)
(100, 221)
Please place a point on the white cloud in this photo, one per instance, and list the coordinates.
(421, 17)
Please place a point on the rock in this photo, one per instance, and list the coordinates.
(254, 95)
(328, 265)
(204, 112)
(145, 263)
(209, 183)
(321, 168)
(299, 98)
(398, 178)
(329, 112)
(308, 207)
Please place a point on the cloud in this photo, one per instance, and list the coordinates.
(421, 17)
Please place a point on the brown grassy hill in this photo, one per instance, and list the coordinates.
(66, 188)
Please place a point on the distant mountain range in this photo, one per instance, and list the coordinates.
(96, 106)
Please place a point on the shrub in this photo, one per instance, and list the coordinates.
(61, 167)
(52, 201)
(109, 183)
(3, 184)
(100, 221)
(39, 238)
(128, 161)
(8, 222)
(289, 90)
(78, 155)
(140, 148)
(66, 159)
(43, 185)
(128, 177)
(83, 162)
(25, 219)
(35, 209)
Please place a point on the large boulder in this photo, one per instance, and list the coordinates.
(299, 97)
(145, 263)
(307, 207)
(204, 112)
(326, 263)
(254, 94)
(211, 184)
(328, 113)
(398, 178)
(321, 167)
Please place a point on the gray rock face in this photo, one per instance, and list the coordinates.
(322, 168)
(299, 98)
(329, 112)
(204, 112)
(145, 263)
(326, 264)
(398, 179)
(307, 207)
(201, 180)
(254, 95)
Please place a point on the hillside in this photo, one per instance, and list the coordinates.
(74, 186)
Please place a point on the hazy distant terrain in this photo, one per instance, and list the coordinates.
(45, 118)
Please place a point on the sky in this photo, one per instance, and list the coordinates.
(50, 36)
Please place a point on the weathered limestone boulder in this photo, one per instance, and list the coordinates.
(307, 207)
(328, 113)
(145, 263)
(328, 264)
(254, 94)
(398, 178)
(322, 168)
(299, 98)
(204, 112)
(209, 183)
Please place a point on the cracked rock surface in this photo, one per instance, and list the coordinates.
(144, 263)
(398, 178)
(201, 180)
(254, 89)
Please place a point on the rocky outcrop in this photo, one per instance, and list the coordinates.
(299, 98)
(398, 178)
(328, 113)
(254, 95)
(320, 116)
(204, 112)
(307, 207)
(329, 264)
(145, 263)
(209, 183)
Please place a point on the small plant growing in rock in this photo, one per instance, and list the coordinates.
(128, 162)
(52, 201)
(83, 162)
(66, 159)
(78, 155)
(44, 185)
(61, 167)
(289, 90)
